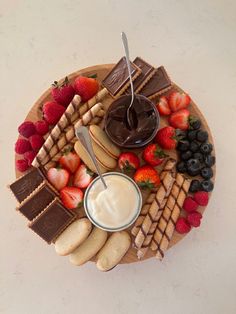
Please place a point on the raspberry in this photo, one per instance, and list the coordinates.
(182, 226)
(29, 156)
(41, 127)
(190, 204)
(36, 141)
(201, 197)
(22, 165)
(22, 145)
(26, 129)
(194, 219)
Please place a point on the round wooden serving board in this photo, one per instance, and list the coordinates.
(35, 114)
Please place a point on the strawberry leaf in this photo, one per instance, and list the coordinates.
(92, 75)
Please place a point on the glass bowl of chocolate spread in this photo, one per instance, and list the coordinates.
(144, 117)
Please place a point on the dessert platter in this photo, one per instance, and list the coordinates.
(158, 165)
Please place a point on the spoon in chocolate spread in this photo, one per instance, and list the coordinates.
(82, 134)
(126, 47)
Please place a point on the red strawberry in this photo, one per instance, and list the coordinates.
(27, 129)
(58, 177)
(178, 101)
(154, 155)
(83, 177)
(63, 93)
(194, 219)
(71, 197)
(147, 177)
(201, 197)
(128, 161)
(29, 156)
(52, 112)
(166, 137)
(182, 226)
(163, 106)
(36, 141)
(180, 119)
(41, 127)
(70, 161)
(86, 87)
(22, 165)
(22, 145)
(190, 204)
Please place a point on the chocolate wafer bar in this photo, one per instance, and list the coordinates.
(117, 80)
(50, 223)
(26, 184)
(36, 202)
(170, 227)
(158, 84)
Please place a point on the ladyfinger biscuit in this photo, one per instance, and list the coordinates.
(89, 247)
(83, 154)
(73, 236)
(105, 160)
(100, 137)
(113, 251)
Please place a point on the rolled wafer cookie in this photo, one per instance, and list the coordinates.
(73, 236)
(89, 247)
(169, 166)
(64, 121)
(113, 251)
(65, 138)
(170, 227)
(153, 210)
(162, 223)
(83, 154)
(100, 137)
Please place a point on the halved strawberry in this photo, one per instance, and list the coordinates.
(147, 177)
(58, 177)
(163, 106)
(71, 197)
(180, 119)
(83, 177)
(154, 155)
(69, 160)
(178, 101)
(128, 161)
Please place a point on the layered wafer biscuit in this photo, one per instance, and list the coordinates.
(153, 210)
(65, 138)
(64, 121)
(169, 166)
(170, 227)
(167, 211)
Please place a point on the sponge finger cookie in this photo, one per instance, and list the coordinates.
(89, 247)
(100, 137)
(113, 251)
(104, 160)
(73, 236)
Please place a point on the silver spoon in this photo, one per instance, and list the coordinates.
(82, 134)
(126, 47)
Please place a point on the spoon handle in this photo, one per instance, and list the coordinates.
(84, 137)
(126, 47)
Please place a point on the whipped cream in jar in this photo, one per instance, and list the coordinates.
(115, 208)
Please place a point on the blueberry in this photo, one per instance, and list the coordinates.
(195, 124)
(181, 167)
(194, 147)
(209, 160)
(186, 155)
(192, 134)
(206, 148)
(207, 185)
(195, 186)
(183, 146)
(206, 173)
(198, 156)
(193, 167)
(202, 136)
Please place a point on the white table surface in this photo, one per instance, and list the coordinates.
(41, 41)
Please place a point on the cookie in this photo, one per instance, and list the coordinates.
(89, 247)
(103, 158)
(100, 137)
(81, 151)
(113, 251)
(73, 236)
